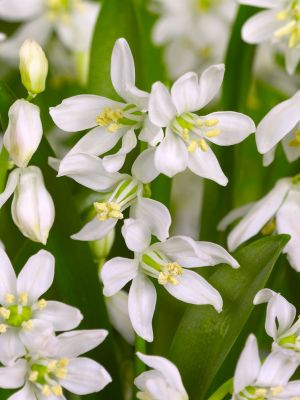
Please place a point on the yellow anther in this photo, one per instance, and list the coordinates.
(108, 210)
(276, 390)
(269, 228)
(199, 122)
(174, 268)
(294, 38)
(211, 122)
(285, 30)
(27, 325)
(10, 298)
(3, 328)
(57, 390)
(112, 128)
(23, 299)
(109, 118)
(213, 133)
(61, 373)
(4, 313)
(185, 133)
(63, 362)
(169, 273)
(202, 144)
(41, 304)
(46, 391)
(52, 365)
(282, 15)
(261, 392)
(33, 376)
(192, 146)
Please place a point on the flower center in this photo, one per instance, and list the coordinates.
(158, 266)
(290, 31)
(61, 9)
(46, 373)
(291, 342)
(260, 393)
(195, 130)
(205, 5)
(115, 118)
(108, 210)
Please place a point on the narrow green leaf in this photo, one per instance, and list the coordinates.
(204, 338)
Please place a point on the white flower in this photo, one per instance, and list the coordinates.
(169, 262)
(72, 20)
(123, 191)
(185, 144)
(278, 211)
(33, 67)
(23, 315)
(280, 322)
(264, 381)
(163, 381)
(182, 22)
(111, 120)
(282, 123)
(279, 25)
(55, 365)
(32, 206)
(117, 308)
(24, 132)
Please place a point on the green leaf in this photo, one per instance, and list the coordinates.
(116, 19)
(204, 338)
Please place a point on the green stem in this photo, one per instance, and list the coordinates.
(3, 167)
(140, 346)
(223, 390)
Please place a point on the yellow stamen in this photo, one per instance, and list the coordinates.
(192, 146)
(33, 376)
(211, 122)
(46, 391)
(23, 299)
(185, 133)
(10, 298)
(199, 122)
(202, 144)
(41, 304)
(269, 228)
(276, 390)
(261, 392)
(4, 313)
(27, 325)
(282, 15)
(3, 328)
(213, 133)
(108, 210)
(169, 273)
(109, 118)
(57, 390)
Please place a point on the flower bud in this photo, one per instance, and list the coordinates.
(33, 67)
(101, 248)
(32, 206)
(24, 132)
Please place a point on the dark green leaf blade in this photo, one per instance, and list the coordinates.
(204, 338)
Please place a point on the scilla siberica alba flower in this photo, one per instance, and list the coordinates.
(55, 365)
(111, 120)
(168, 262)
(23, 314)
(278, 211)
(185, 143)
(123, 192)
(282, 123)
(72, 20)
(278, 24)
(24, 132)
(280, 324)
(162, 382)
(32, 206)
(264, 381)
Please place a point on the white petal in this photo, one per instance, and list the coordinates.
(13, 377)
(144, 168)
(8, 280)
(26, 393)
(12, 181)
(259, 215)
(248, 366)
(269, 156)
(280, 313)
(13, 10)
(185, 93)
(73, 344)
(209, 85)
(137, 234)
(292, 152)
(206, 164)
(155, 215)
(37, 275)
(117, 308)
(95, 229)
(167, 369)
(116, 272)
(292, 389)
(62, 316)
(292, 57)
(142, 380)
(89, 171)
(277, 123)
(141, 306)
(161, 107)
(261, 27)
(80, 112)
(97, 141)
(276, 370)
(194, 289)
(85, 376)
(38, 337)
(114, 162)
(11, 347)
(287, 220)
(151, 133)
(215, 254)
(122, 70)
(138, 97)
(233, 215)
(234, 127)
(262, 3)
(171, 156)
